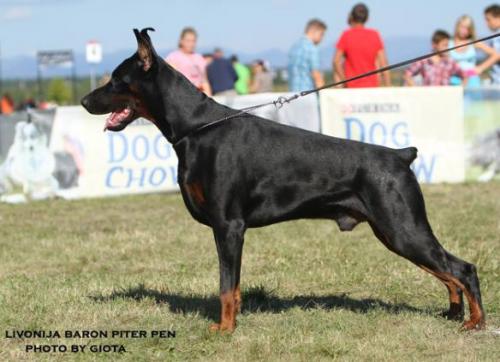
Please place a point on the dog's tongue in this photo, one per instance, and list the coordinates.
(115, 118)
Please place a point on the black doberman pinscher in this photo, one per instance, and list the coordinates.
(249, 172)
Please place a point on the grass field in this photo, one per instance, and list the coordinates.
(309, 292)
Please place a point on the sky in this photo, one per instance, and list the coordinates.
(247, 26)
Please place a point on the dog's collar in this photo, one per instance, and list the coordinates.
(278, 103)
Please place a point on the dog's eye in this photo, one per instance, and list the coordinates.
(126, 79)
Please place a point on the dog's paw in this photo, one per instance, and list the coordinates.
(453, 316)
(216, 327)
(474, 325)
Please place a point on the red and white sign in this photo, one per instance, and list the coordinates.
(94, 52)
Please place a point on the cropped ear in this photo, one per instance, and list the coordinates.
(145, 49)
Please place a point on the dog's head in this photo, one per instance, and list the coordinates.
(29, 137)
(123, 96)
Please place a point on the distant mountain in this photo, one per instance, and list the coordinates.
(398, 49)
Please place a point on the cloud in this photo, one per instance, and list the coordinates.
(16, 13)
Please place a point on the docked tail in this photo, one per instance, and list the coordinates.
(408, 154)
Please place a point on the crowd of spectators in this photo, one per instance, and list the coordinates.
(214, 73)
(8, 106)
(360, 50)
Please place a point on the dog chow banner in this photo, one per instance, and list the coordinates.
(429, 118)
(136, 160)
(65, 153)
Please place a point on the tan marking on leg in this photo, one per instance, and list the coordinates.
(228, 315)
(476, 320)
(237, 299)
(454, 295)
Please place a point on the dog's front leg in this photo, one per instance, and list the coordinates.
(229, 240)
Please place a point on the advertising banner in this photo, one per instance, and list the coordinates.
(302, 112)
(482, 134)
(429, 118)
(138, 159)
(65, 153)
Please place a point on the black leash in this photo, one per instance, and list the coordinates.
(280, 101)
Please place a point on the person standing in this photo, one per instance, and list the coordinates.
(360, 50)
(262, 78)
(492, 17)
(188, 62)
(467, 57)
(303, 59)
(242, 84)
(221, 75)
(436, 70)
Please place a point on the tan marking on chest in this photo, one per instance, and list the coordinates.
(195, 190)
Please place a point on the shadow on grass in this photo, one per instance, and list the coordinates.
(256, 299)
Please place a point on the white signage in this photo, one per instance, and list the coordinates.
(93, 52)
(302, 112)
(136, 160)
(429, 118)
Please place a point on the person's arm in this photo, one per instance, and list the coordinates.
(249, 81)
(411, 71)
(493, 57)
(205, 88)
(254, 86)
(232, 72)
(457, 71)
(205, 82)
(316, 74)
(338, 66)
(318, 78)
(409, 79)
(257, 82)
(382, 62)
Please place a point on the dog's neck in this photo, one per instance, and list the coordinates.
(183, 107)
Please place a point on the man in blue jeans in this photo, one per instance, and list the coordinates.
(221, 75)
(303, 59)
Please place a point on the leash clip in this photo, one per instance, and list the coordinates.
(280, 102)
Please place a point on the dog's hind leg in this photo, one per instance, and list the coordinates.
(456, 274)
(399, 220)
(229, 240)
(456, 309)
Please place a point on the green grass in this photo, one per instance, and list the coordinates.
(310, 292)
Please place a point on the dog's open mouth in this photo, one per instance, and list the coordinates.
(119, 119)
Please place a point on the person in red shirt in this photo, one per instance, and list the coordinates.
(360, 50)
